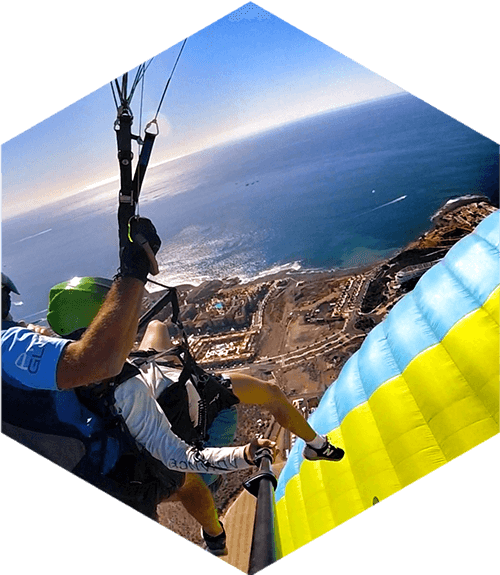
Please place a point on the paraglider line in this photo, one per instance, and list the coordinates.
(168, 81)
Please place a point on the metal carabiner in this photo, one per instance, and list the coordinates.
(153, 122)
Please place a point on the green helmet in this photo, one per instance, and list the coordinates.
(74, 304)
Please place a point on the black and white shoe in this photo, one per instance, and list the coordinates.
(215, 545)
(327, 453)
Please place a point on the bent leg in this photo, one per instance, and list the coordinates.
(156, 337)
(267, 394)
(198, 502)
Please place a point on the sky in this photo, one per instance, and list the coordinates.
(244, 73)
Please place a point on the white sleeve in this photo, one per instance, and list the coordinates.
(150, 427)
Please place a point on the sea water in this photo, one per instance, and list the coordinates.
(337, 190)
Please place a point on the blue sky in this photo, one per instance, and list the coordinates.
(244, 73)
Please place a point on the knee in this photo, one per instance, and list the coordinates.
(152, 329)
(156, 325)
(273, 391)
(156, 336)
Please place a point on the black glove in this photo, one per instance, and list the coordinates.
(134, 261)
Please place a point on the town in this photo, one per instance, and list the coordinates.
(299, 329)
(278, 324)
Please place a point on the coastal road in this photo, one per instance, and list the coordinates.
(329, 344)
(351, 299)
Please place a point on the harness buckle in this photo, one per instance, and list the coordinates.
(125, 199)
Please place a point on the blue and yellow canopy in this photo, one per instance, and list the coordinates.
(422, 389)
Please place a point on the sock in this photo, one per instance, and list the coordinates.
(318, 442)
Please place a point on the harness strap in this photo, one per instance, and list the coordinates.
(214, 394)
(169, 297)
(191, 371)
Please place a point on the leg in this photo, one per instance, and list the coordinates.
(198, 502)
(255, 391)
(156, 337)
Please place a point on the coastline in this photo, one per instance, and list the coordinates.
(194, 292)
(220, 311)
(299, 328)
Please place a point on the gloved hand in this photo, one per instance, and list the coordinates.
(134, 259)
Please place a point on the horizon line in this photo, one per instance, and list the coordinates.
(201, 149)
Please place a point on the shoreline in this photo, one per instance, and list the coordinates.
(308, 325)
(299, 327)
(277, 313)
(303, 273)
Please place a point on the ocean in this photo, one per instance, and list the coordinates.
(343, 188)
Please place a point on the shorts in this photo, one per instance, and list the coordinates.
(142, 482)
(220, 434)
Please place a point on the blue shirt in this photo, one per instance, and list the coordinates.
(30, 359)
(29, 362)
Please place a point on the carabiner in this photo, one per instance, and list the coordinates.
(155, 122)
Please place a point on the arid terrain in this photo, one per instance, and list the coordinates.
(299, 329)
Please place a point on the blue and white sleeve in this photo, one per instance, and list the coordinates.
(30, 358)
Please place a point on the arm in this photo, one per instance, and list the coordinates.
(150, 427)
(105, 345)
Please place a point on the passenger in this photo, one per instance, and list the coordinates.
(251, 390)
(151, 407)
(33, 361)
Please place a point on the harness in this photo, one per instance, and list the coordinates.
(213, 394)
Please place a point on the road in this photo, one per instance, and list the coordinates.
(329, 344)
(351, 301)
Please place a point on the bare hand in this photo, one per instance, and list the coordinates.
(252, 448)
(37, 328)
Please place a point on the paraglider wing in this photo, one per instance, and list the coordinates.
(421, 390)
